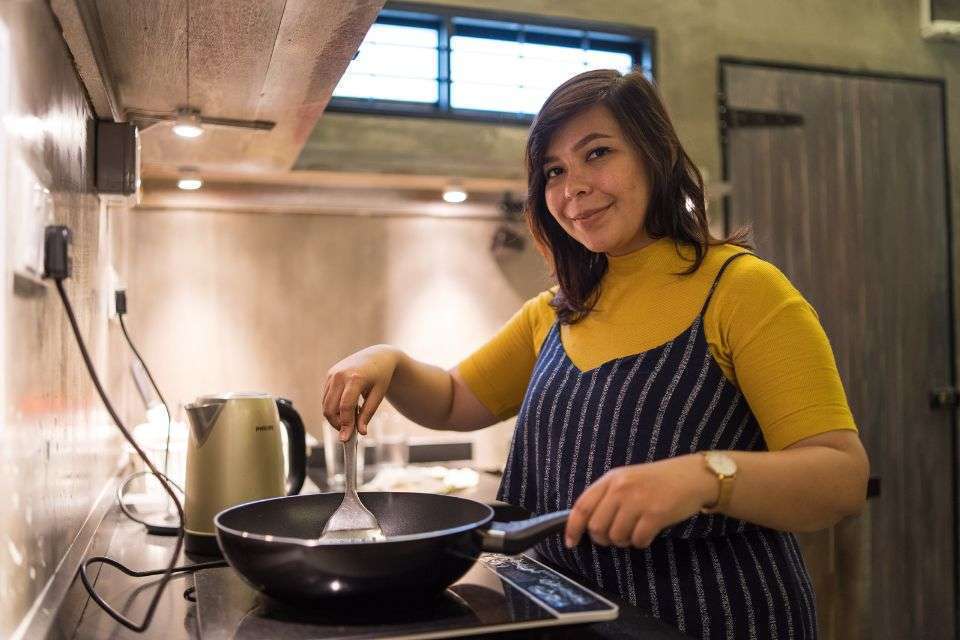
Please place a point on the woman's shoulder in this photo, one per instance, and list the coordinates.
(716, 256)
(752, 271)
(749, 283)
(538, 307)
(539, 315)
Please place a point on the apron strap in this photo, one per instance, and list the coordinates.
(716, 280)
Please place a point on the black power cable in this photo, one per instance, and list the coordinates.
(57, 266)
(120, 298)
(152, 527)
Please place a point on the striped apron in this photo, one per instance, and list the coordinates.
(709, 576)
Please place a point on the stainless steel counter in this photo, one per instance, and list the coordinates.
(131, 545)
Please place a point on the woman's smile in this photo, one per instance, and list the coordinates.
(591, 215)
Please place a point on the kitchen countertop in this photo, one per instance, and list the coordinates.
(175, 617)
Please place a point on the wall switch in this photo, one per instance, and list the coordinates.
(30, 210)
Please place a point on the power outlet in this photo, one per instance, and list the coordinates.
(116, 284)
(56, 259)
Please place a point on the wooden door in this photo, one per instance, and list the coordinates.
(843, 178)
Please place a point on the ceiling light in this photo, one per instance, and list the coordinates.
(188, 123)
(189, 179)
(454, 192)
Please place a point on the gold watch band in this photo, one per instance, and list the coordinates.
(726, 492)
(725, 481)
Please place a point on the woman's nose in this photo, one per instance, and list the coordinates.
(576, 185)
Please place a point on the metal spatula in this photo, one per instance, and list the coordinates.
(351, 522)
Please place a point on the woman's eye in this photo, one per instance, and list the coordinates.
(598, 152)
(552, 172)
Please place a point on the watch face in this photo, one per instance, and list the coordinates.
(721, 463)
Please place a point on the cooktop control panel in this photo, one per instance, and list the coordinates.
(558, 594)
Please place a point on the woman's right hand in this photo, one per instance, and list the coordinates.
(366, 373)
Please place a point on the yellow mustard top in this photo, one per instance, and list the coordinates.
(765, 336)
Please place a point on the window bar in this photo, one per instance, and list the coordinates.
(443, 62)
(646, 56)
(584, 47)
(522, 39)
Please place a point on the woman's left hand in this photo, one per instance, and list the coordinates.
(631, 505)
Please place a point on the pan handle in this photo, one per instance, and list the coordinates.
(515, 537)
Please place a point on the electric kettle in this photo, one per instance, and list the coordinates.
(235, 455)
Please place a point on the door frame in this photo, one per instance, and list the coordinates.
(731, 61)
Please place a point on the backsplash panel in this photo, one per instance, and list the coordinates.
(237, 301)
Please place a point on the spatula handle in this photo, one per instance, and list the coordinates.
(350, 459)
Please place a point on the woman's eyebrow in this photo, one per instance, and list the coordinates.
(585, 140)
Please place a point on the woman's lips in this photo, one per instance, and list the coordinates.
(590, 216)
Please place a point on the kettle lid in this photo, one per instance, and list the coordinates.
(232, 395)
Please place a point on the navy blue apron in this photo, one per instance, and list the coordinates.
(710, 576)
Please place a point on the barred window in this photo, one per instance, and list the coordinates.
(479, 65)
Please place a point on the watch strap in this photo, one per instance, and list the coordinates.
(725, 483)
(726, 492)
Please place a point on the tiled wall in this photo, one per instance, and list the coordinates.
(57, 445)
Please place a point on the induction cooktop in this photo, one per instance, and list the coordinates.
(499, 593)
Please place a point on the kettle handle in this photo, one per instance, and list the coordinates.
(297, 440)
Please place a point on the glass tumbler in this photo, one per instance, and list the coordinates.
(389, 431)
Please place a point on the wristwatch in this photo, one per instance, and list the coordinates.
(724, 467)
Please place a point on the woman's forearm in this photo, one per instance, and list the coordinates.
(805, 487)
(425, 394)
(797, 489)
(422, 392)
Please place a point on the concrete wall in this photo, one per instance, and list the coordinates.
(57, 445)
(232, 301)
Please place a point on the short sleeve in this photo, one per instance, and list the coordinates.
(499, 371)
(780, 355)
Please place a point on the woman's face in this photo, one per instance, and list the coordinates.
(596, 184)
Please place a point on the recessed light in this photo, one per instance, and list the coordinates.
(189, 179)
(188, 123)
(454, 192)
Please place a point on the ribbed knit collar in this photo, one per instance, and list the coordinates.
(656, 255)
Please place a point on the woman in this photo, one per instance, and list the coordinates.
(674, 390)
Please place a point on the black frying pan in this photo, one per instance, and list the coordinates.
(431, 541)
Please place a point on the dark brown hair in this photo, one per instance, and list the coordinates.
(676, 209)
